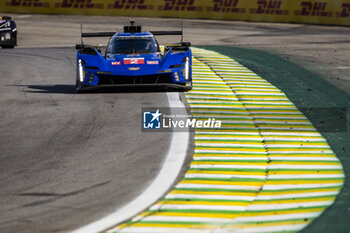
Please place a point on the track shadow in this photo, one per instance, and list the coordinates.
(52, 89)
(56, 89)
(70, 89)
(131, 89)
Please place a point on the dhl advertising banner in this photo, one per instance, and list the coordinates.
(333, 12)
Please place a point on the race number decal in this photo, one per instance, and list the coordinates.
(131, 61)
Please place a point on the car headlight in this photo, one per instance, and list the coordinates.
(177, 77)
(81, 72)
(186, 70)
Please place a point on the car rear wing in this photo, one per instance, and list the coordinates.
(98, 34)
(129, 29)
(109, 34)
(178, 45)
(166, 33)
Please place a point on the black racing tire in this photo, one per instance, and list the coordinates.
(78, 87)
(15, 38)
(7, 46)
(189, 87)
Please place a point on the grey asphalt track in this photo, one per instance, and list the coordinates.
(66, 159)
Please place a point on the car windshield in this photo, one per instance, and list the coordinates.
(129, 45)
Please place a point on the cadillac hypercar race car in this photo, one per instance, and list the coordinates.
(133, 58)
(8, 32)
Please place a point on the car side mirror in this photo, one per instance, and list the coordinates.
(79, 46)
(186, 44)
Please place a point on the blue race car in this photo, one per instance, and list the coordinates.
(134, 58)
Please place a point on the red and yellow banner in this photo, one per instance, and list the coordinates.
(332, 12)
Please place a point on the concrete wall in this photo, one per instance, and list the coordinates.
(332, 12)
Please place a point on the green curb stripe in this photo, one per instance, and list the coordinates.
(192, 224)
(275, 141)
(218, 179)
(228, 169)
(196, 211)
(263, 130)
(223, 118)
(229, 141)
(234, 191)
(206, 200)
(230, 147)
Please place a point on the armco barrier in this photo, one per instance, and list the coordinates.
(333, 12)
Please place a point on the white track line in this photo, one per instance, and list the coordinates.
(165, 178)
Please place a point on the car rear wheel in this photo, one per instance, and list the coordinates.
(7, 46)
(78, 86)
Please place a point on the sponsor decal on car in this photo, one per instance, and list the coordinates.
(5, 29)
(116, 63)
(152, 62)
(134, 68)
(131, 61)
